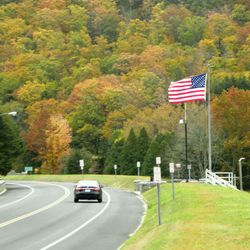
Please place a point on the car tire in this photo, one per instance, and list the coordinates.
(100, 200)
(75, 200)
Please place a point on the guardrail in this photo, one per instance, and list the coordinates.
(142, 186)
(2, 186)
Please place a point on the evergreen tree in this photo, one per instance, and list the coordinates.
(129, 155)
(71, 163)
(114, 157)
(142, 144)
(11, 145)
(159, 147)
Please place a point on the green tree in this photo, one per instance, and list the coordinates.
(86, 122)
(71, 162)
(11, 145)
(159, 147)
(114, 157)
(240, 14)
(142, 144)
(129, 154)
(191, 30)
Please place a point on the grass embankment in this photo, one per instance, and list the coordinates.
(201, 216)
(119, 181)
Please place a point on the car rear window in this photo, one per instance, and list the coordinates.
(87, 184)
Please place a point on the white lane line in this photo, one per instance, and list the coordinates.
(26, 196)
(24, 216)
(80, 227)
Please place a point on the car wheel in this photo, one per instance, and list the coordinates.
(99, 200)
(75, 200)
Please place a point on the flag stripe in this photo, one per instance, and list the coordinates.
(183, 92)
(188, 89)
(182, 101)
(187, 98)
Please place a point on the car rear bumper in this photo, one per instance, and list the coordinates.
(88, 196)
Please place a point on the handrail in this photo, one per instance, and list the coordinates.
(214, 179)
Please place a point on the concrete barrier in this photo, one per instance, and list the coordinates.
(2, 187)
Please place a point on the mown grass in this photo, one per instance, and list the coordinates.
(119, 181)
(201, 217)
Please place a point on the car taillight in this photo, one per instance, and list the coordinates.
(96, 189)
(79, 189)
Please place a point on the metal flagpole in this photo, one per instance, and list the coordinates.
(186, 149)
(209, 121)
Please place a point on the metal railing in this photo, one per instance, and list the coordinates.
(228, 176)
(215, 179)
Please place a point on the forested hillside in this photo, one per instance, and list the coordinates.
(89, 81)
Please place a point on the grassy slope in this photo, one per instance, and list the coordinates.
(201, 217)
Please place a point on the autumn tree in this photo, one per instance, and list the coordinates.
(58, 138)
(160, 120)
(42, 135)
(231, 115)
(30, 92)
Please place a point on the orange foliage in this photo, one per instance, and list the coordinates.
(58, 138)
(95, 86)
(52, 4)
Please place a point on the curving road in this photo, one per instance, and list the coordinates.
(37, 215)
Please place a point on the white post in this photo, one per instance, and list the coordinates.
(115, 168)
(138, 168)
(171, 171)
(81, 162)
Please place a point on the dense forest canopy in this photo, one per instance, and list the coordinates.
(89, 79)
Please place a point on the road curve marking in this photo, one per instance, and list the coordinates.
(26, 196)
(24, 216)
(80, 227)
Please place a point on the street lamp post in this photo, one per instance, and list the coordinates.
(13, 113)
(186, 146)
(240, 172)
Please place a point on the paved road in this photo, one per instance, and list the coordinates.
(35, 215)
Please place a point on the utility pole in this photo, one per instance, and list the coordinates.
(209, 120)
(186, 144)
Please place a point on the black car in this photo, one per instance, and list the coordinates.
(88, 190)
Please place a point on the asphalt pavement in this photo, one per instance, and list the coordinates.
(37, 215)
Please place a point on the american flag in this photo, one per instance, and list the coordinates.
(188, 89)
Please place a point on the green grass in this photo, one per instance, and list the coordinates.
(119, 181)
(200, 217)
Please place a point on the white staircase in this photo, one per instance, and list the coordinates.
(227, 179)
